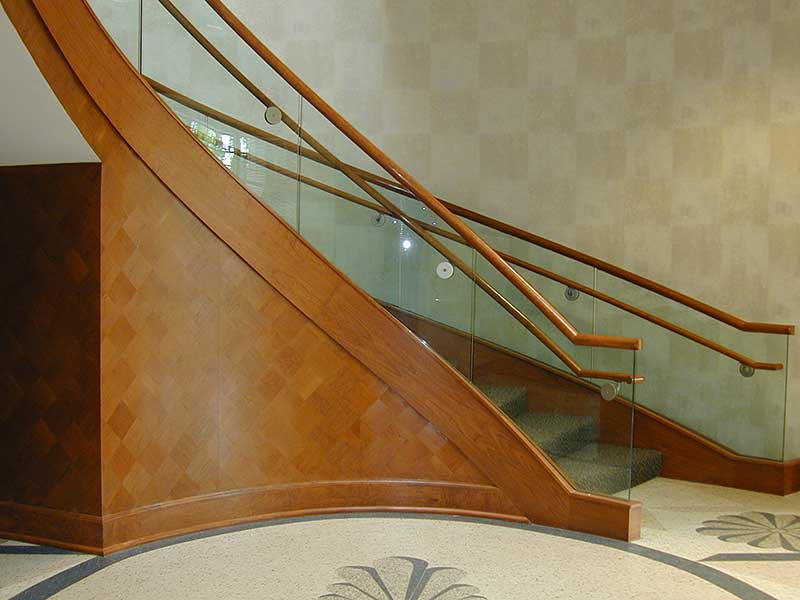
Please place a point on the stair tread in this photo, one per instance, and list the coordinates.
(511, 399)
(558, 434)
(604, 467)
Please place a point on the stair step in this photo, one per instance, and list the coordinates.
(512, 400)
(558, 434)
(603, 468)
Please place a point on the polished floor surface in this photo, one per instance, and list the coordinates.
(699, 542)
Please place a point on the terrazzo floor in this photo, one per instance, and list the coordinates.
(382, 557)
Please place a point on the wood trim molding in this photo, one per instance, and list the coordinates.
(52, 527)
(89, 74)
(158, 521)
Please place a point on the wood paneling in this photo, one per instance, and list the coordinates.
(50, 338)
(224, 333)
(687, 455)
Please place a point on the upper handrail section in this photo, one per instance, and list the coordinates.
(408, 182)
(294, 148)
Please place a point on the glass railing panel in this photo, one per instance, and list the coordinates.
(704, 390)
(122, 20)
(249, 158)
(381, 252)
(361, 242)
(176, 59)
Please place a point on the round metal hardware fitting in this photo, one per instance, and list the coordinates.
(379, 220)
(571, 294)
(444, 270)
(273, 115)
(609, 391)
(746, 371)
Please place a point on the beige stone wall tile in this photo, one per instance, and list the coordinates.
(696, 202)
(649, 106)
(454, 20)
(552, 154)
(697, 104)
(747, 50)
(649, 15)
(698, 153)
(745, 199)
(697, 258)
(552, 17)
(785, 150)
(647, 203)
(453, 172)
(649, 154)
(599, 18)
(504, 155)
(358, 66)
(406, 112)
(454, 112)
(407, 20)
(551, 200)
(502, 65)
(406, 66)
(745, 99)
(783, 207)
(600, 108)
(501, 111)
(602, 156)
(552, 62)
(699, 55)
(602, 60)
(649, 57)
(784, 10)
(504, 20)
(454, 66)
(552, 109)
(601, 203)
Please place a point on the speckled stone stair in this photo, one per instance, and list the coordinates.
(572, 442)
(603, 468)
(512, 400)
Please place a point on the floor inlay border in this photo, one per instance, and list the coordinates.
(56, 583)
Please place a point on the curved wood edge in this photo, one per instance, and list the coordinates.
(421, 193)
(307, 152)
(89, 73)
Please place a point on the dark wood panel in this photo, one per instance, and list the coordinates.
(51, 527)
(50, 336)
(343, 323)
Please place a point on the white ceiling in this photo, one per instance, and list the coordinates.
(34, 128)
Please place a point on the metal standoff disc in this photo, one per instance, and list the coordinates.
(273, 115)
(379, 220)
(444, 270)
(609, 391)
(571, 294)
(746, 371)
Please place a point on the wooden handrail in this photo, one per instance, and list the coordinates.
(422, 194)
(492, 292)
(295, 148)
(388, 184)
